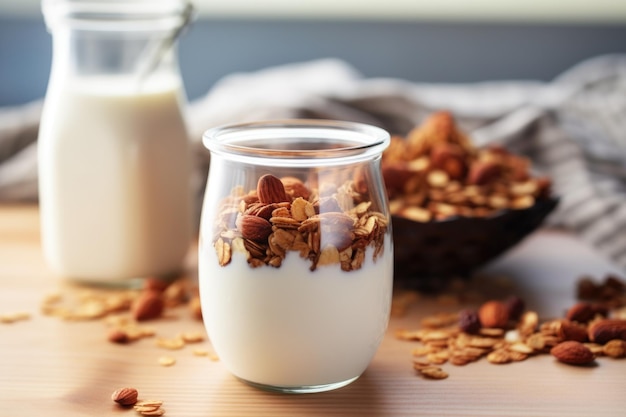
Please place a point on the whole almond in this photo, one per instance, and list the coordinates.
(602, 331)
(573, 353)
(515, 306)
(270, 189)
(155, 284)
(118, 336)
(195, 307)
(569, 330)
(254, 228)
(295, 188)
(581, 312)
(483, 172)
(449, 158)
(149, 305)
(125, 396)
(396, 176)
(261, 210)
(469, 321)
(493, 314)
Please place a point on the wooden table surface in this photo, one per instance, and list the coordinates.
(50, 367)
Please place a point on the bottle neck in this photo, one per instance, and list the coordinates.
(119, 40)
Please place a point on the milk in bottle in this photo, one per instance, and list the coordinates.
(113, 148)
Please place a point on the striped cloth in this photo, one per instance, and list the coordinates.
(573, 128)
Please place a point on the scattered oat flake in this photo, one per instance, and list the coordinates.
(499, 356)
(171, 344)
(14, 317)
(409, 334)
(433, 372)
(167, 361)
(440, 320)
(200, 352)
(157, 412)
(149, 408)
(149, 403)
(146, 408)
(615, 348)
(206, 353)
(192, 337)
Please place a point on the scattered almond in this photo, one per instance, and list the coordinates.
(444, 341)
(581, 312)
(569, 330)
(125, 396)
(493, 314)
(149, 305)
(572, 353)
(602, 331)
(118, 336)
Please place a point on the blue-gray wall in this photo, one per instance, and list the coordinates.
(417, 51)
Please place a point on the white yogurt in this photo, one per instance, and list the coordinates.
(292, 327)
(114, 180)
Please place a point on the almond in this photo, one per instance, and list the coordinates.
(195, 307)
(361, 180)
(573, 353)
(155, 284)
(515, 306)
(149, 305)
(125, 396)
(262, 210)
(469, 321)
(270, 189)
(603, 331)
(396, 175)
(118, 336)
(254, 228)
(493, 314)
(295, 188)
(449, 158)
(483, 172)
(572, 331)
(581, 312)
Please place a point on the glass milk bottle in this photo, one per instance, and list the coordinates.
(114, 163)
(295, 254)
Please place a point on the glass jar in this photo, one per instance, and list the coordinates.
(295, 253)
(114, 157)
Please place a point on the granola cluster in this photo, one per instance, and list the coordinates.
(435, 172)
(326, 225)
(505, 332)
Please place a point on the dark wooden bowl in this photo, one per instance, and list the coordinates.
(427, 254)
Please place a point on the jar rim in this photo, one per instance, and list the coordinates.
(280, 142)
(128, 15)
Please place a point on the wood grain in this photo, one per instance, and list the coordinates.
(49, 367)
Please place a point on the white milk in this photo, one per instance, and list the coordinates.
(114, 180)
(292, 327)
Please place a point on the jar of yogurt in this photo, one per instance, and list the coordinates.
(295, 252)
(114, 157)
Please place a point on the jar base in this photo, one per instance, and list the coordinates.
(303, 389)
